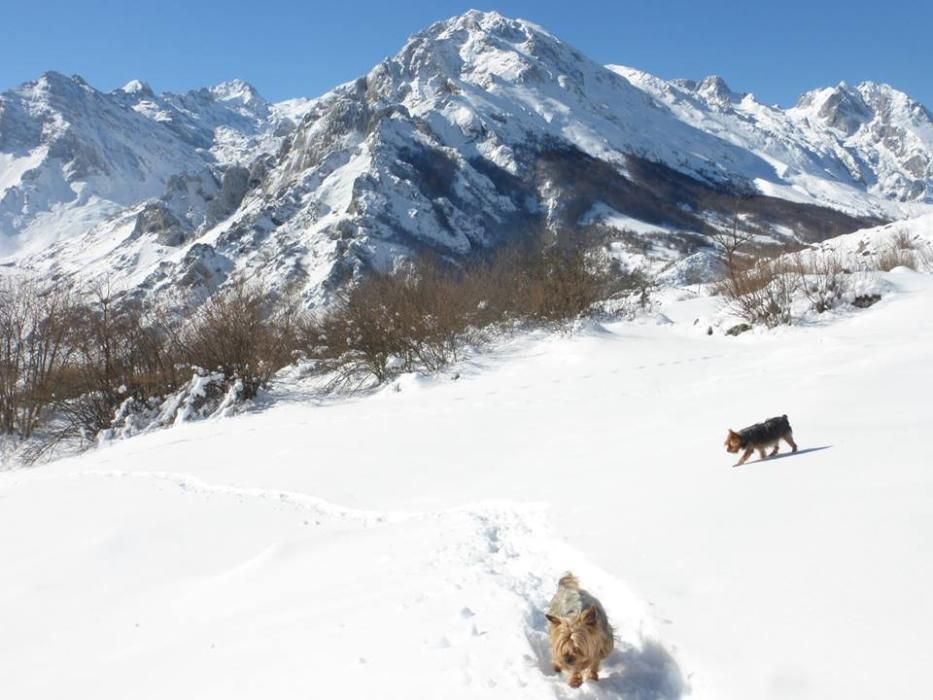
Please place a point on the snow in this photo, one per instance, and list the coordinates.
(12, 168)
(812, 160)
(74, 156)
(136, 87)
(613, 219)
(404, 544)
(859, 249)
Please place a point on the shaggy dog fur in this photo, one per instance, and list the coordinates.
(759, 437)
(580, 634)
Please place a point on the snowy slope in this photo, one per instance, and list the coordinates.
(835, 145)
(72, 157)
(860, 250)
(482, 129)
(403, 545)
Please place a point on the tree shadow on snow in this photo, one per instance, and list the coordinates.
(643, 672)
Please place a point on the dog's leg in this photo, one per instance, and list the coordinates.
(761, 453)
(745, 456)
(576, 680)
(789, 439)
(557, 668)
(777, 447)
(592, 673)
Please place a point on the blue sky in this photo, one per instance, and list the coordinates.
(286, 49)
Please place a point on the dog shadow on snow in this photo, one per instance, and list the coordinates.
(786, 455)
(643, 672)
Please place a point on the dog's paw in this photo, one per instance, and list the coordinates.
(592, 675)
(557, 669)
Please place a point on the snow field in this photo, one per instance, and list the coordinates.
(212, 559)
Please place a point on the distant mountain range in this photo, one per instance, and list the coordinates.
(481, 130)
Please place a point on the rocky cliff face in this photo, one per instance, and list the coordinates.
(886, 131)
(479, 131)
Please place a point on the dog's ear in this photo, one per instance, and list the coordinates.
(553, 620)
(589, 616)
(732, 432)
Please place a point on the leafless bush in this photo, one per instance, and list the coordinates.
(549, 285)
(733, 243)
(242, 332)
(761, 291)
(904, 250)
(35, 321)
(902, 240)
(889, 258)
(366, 330)
(119, 352)
(420, 317)
(822, 278)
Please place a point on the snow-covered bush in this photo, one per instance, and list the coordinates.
(119, 352)
(242, 333)
(205, 395)
(823, 280)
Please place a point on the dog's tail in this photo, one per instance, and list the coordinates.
(568, 580)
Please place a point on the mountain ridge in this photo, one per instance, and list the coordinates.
(480, 130)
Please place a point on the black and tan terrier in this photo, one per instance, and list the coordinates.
(760, 437)
(579, 634)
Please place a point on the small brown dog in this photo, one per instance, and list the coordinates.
(759, 437)
(580, 634)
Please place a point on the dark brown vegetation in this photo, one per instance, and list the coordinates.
(421, 317)
(241, 332)
(35, 326)
(70, 360)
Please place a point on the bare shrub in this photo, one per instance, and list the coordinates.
(733, 243)
(761, 291)
(416, 318)
(902, 240)
(366, 330)
(823, 279)
(420, 317)
(118, 353)
(243, 333)
(35, 321)
(893, 256)
(567, 284)
(443, 305)
(550, 285)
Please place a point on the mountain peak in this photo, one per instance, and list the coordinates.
(486, 21)
(839, 107)
(137, 88)
(484, 49)
(716, 91)
(236, 91)
(52, 80)
(479, 27)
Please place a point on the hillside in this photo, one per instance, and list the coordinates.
(404, 544)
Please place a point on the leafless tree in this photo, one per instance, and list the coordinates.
(35, 322)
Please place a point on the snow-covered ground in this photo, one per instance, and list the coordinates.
(404, 545)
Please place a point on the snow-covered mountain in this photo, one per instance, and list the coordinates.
(72, 157)
(872, 137)
(482, 129)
